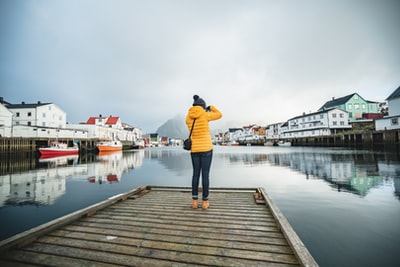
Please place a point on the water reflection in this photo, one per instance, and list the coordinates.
(43, 186)
(345, 170)
(340, 170)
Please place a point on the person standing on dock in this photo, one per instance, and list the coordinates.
(202, 147)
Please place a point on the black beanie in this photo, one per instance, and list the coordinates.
(199, 101)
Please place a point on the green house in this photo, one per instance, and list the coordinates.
(354, 104)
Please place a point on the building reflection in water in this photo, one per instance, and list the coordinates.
(350, 172)
(45, 184)
(345, 170)
(43, 181)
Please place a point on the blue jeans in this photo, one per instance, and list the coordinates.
(201, 162)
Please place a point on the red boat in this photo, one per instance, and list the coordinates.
(58, 149)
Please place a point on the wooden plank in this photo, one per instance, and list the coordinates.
(157, 227)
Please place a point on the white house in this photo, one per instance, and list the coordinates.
(108, 127)
(5, 121)
(393, 120)
(274, 131)
(38, 114)
(324, 122)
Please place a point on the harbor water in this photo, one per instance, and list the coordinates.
(343, 203)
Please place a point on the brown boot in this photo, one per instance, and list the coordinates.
(195, 203)
(205, 205)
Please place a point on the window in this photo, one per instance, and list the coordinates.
(342, 123)
(17, 114)
(321, 116)
(333, 115)
(356, 97)
(356, 106)
(363, 106)
(349, 106)
(43, 115)
(44, 124)
(394, 121)
(341, 115)
(29, 114)
(334, 123)
(29, 123)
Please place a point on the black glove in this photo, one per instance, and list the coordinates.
(208, 109)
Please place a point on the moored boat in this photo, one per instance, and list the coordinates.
(284, 143)
(107, 144)
(58, 149)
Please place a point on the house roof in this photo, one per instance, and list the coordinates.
(109, 120)
(316, 113)
(395, 94)
(112, 120)
(337, 102)
(25, 105)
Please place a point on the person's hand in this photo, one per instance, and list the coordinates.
(208, 109)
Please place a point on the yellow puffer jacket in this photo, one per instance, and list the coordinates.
(201, 136)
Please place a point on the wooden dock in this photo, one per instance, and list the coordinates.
(156, 226)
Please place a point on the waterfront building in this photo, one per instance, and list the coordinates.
(392, 121)
(234, 134)
(354, 104)
(154, 139)
(251, 133)
(325, 122)
(108, 127)
(35, 120)
(274, 131)
(38, 114)
(5, 121)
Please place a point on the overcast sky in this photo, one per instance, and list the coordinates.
(257, 61)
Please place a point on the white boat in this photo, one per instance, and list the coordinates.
(284, 143)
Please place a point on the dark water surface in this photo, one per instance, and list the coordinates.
(343, 203)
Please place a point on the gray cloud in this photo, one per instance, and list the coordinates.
(258, 61)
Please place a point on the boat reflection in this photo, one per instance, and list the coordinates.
(59, 160)
(109, 169)
(45, 185)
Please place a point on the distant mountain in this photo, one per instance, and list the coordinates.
(174, 128)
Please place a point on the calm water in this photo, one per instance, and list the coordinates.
(344, 204)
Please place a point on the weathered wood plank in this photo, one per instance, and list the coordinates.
(18, 257)
(118, 236)
(166, 250)
(208, 233)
